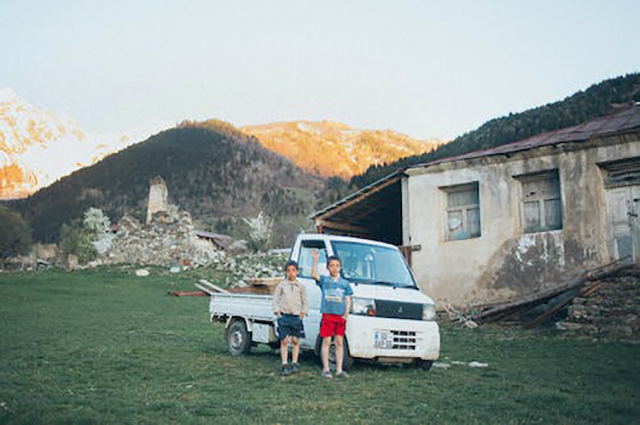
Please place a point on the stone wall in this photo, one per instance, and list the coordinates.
(612, 311)
(158, 197)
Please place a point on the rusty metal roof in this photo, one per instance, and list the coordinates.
(618, 123)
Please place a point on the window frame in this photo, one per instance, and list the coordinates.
(464, 209)
(541, 201)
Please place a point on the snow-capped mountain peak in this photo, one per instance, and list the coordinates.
(37, 147)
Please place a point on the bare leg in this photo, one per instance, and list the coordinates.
(326, 343)
(296, 350)
(339, 353)
(284, 350)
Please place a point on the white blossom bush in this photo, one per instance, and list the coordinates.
(260, 231)
(95, 226)
(96, 222)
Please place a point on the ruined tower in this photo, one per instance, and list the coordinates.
(158, 194)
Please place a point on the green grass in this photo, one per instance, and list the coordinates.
(104, 346)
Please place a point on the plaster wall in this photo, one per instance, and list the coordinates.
(505, 262)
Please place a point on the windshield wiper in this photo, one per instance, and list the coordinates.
(383, 283)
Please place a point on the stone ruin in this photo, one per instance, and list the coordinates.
(167, 240)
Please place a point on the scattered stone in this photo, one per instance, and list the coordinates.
(142, 272)
(94, 263)
(175, 269)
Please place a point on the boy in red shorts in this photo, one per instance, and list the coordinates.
(335, 304)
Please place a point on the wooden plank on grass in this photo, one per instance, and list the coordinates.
(213, 287)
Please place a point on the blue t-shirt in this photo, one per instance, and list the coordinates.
(334, 293)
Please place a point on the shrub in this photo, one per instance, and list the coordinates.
(15, 234)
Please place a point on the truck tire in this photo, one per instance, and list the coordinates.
(425, 364)
(238, 338)
(347, 360)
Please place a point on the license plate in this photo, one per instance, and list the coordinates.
(382, 339)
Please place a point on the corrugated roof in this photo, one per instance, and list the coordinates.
(620, 122)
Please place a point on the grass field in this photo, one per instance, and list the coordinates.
(104, 346)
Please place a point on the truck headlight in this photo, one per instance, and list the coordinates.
(363, 306)
(429, 312)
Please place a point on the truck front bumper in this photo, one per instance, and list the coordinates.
(384, 338)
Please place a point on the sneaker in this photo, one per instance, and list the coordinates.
(342, 375)
(326, 374)
(285, 370)
(295, 367)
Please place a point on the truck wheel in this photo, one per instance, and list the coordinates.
(347, 360)
(238, 338)
(425, 364)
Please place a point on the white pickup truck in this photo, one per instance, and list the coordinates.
(391, 319)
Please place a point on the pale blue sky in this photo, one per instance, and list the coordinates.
(425, 68)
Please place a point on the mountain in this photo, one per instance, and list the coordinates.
(597, 100)
(211, 169)
(38, 147)
(334, 149)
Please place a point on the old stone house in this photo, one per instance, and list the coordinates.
(496, 224)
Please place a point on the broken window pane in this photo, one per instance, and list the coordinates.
(455, 220)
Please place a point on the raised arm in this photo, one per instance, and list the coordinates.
(347, 300)
(314, 265)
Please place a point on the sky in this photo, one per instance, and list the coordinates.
(429, 69)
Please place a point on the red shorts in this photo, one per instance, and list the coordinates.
(332, 324)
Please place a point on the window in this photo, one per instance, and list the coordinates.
(463, 212)
(541, 202)
(305, 260)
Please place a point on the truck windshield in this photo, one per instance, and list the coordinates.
(373, 264)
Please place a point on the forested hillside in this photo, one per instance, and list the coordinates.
(599, 99)
(212, 170)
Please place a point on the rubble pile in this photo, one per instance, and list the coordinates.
(613, 310)
(243, 268)
(167, 240)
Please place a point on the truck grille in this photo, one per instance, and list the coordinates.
(398, 310)
(403, 340)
